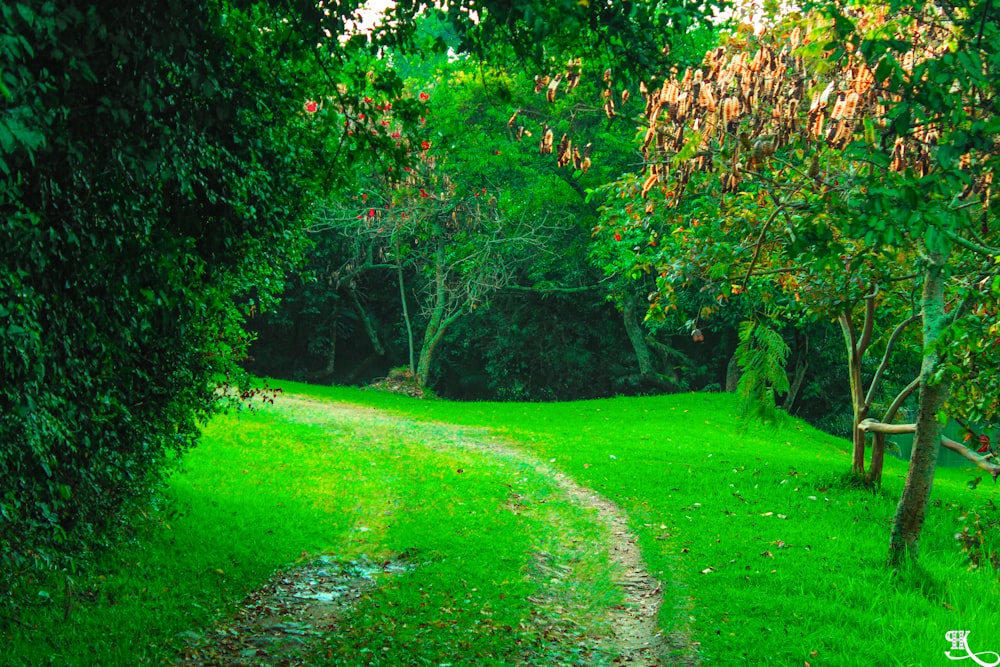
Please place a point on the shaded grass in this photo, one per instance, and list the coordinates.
(766, 555)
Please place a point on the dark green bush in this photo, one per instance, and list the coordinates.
(140, 188)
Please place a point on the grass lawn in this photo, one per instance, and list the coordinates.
(766, 556)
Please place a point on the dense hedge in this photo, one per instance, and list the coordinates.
(141, 186)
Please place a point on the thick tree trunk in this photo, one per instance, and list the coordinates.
(912, 508)
(331, 353)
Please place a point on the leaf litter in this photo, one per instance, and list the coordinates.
(276, 624)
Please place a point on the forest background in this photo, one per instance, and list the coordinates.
(522, 202)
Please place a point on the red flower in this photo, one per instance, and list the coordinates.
(425, 144)
(371, 213)
(423, 193)
(424, 97)
(396, 135)
(984, 444)
(618, 237)
(311, 107)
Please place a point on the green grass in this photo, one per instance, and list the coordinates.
(767, 557)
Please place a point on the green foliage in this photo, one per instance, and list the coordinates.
(761, 354)
(148, 203)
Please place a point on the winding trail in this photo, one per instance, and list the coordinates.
(634, 637)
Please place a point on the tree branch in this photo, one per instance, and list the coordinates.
(971, 246)
(875, 426)
(885, 357)
(890, 414)
(869, 325)
(980, 461)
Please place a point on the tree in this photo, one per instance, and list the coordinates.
(819, 173)
(462, 245)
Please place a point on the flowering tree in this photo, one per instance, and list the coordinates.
(838, 166)
(459, 241)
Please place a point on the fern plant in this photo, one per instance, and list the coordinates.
(761, 355)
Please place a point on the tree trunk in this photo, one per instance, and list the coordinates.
(732, 375)
(331, 354)
(912, 508)
(798, 376)
(366, 320)
(859, 409)
(633, 328)
(874, 477)
(438, 323)
(406, 311)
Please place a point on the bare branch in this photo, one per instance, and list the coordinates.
(897, 332)
(981, 462)
(869, 325)
(875, 426)
(890, 414)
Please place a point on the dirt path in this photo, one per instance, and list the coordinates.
(635, 636)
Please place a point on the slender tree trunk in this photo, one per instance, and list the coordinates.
(799, 375)
(732, 375)
(437, 323)
(912, 508)
(633, 328)
(331, 353)
(859, 409)
(406, 311)
(366, 320)
(874, 477)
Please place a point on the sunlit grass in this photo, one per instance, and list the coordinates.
(766, 556)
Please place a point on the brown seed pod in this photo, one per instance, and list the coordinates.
(731, 109)
(838, 107)
(864, 79)
(564, 155)
(550, 92)
(649, 184)
(898, 155)
(510, 122)
(545, 145)
(851, 104)
(816, 124)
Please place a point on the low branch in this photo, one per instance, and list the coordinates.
(980, 461)
(875, 426)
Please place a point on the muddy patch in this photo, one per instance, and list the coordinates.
(280, 621)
